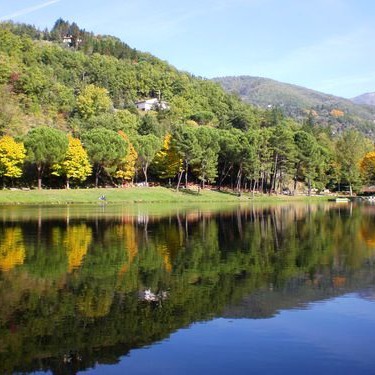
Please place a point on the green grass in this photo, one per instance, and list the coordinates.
(132, 195)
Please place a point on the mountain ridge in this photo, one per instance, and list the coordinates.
(298, 101)
(365, 99)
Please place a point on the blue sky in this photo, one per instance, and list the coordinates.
(326, 45)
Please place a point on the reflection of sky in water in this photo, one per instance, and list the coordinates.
(335, 336)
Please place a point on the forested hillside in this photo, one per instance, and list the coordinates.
(68, 117)
(297, 102)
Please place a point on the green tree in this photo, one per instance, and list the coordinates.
(252, 163)
(351, 147)
(121, 120)
(148, 124)
(203, 117)
(229, 145)
(282, 143)
(265, 154)
(92, 101)
(147, 147)
(106, 150)
(208, 140)
(128, 120)
(244, 158)
(45, 147)
(186, 143)
(307, 157)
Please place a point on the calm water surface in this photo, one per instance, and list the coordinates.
(187, 290)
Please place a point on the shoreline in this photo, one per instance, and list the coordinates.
(136, 195)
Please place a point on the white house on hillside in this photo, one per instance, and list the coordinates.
(71, 40)
(151, 104)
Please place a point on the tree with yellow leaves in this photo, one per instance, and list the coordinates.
(76, 164)
(12, 156)
(167, 162)
(126, 169)
(367, 167)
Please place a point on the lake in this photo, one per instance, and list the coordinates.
(141, 289)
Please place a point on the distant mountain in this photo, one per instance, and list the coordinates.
(367, 99)
(298, 102)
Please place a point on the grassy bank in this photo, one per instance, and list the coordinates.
(132, 195)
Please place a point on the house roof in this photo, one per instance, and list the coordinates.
(152, 100)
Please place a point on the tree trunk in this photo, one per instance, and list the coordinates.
(67, 183)
(179, 180)
(296, 178)
(309, 186)
(281, 182)
(273, 182)
(97, 174)
(256, 184)
(350, 189)
(186, 174)
(262, 182)
(239, 177)
(224, 175)
(39, 169)
(295, 185)
(144, 169)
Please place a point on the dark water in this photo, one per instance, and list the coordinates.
(158, 290)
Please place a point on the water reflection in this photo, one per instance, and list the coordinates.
(79, 287)
(12, 248)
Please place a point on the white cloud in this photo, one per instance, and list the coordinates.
(28, 10)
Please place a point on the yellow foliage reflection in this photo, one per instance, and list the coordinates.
(77, 241)
(12, 249)
(127, 231)
(368, 234)
(164, 252)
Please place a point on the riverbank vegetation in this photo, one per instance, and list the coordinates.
(69, 118)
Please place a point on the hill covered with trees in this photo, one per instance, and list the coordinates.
(297, 102)
(69, 117)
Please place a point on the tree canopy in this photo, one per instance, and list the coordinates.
(88, 89)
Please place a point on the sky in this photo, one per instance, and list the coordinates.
(325, 45)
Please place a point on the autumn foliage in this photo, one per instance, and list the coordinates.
(12, 156)
(367, 166)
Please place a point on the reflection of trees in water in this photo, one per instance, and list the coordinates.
(75, 299)
(12, 248)
(77, 239)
